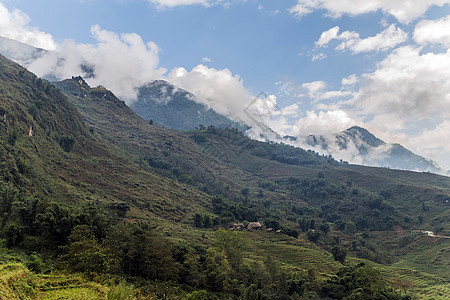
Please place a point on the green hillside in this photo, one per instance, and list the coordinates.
(96, 191)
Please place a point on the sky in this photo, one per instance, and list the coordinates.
(322, 65)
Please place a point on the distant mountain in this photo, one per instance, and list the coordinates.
(163, 103)
(19, 52)
(174, 108)
(360, 143)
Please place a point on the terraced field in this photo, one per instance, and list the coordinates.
(293, 252)
(299, 253)
(17, 282)
(421, 285)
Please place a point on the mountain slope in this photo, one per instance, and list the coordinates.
(358, 144)
(167, 152)
(174, 108)
(108, 159)
(19, 52)
(225, 162)
(48, 152)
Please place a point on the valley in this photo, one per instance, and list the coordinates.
(98, 194)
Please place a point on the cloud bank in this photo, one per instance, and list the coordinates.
(350, 40)
(14, 25)
(433, 32)
(121, 63)
(409, 84)
(404, 11)
(219, 89)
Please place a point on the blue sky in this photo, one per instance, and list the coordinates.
(326, 64)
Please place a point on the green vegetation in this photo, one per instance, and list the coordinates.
(128, 209)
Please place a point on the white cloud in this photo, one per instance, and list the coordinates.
(432, 139)
(333, 95)
(275, 12)
(173, 3)
(323, 123)
(314, 88)
(387, 39)
(405, 11)
(327, 36)
(14, 25)
(433, 32)
(122, 63)
(408, 87)
(408, 84)
(290, 89)
(161, 4)
(290, 110)
(317, 90)
(317, 57)
(350, 80)
(207, 60)
(219, 89)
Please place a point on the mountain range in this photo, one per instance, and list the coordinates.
(82, 175)
(165, 105)
(359, 144)
(175, 108)
(19, 52)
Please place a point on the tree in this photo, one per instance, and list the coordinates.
(350, 227)
(84, 254)
(339, 253)
(325, 228)
(218, 271)
(55, 223)
(368, 282)
(141, 252)
(314, 235)
(198, 220)
(402, 284)
(232, 246)
(358, 282)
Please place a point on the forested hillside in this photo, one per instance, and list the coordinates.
(139, 211)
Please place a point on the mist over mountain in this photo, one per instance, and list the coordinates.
(174, 108)
(358, 145)
(76, 156)
(21, 53)
(169, 106)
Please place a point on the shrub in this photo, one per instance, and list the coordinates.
(122, 291)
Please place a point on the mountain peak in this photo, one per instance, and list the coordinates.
(358, 144)
(362, 134)
(19, 52)
(175, 108)
(160, 82)
(80, 81)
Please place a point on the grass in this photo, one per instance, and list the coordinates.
(422, 285)
(102, 169)
(17, 282)
(293, 253)
(425, 283)
(427, 254)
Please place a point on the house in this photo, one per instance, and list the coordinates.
(238, 227)
(254, 226)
